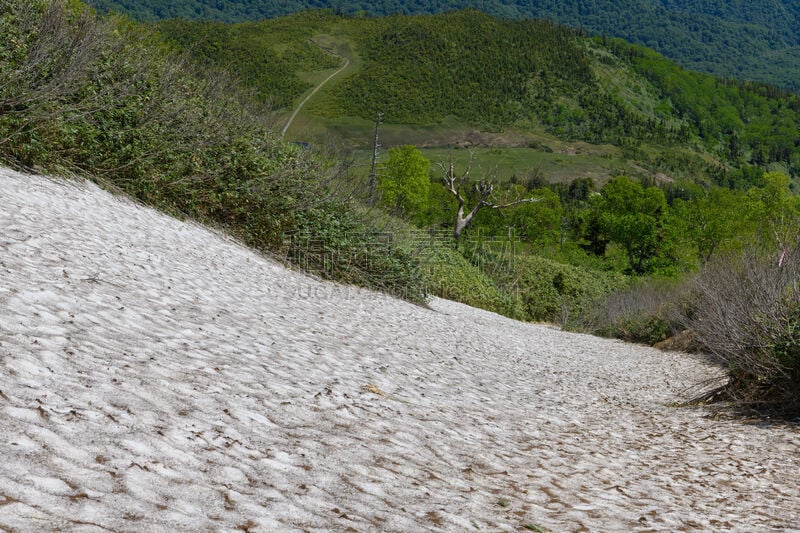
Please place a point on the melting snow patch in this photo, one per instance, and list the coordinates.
(50, 485)
(158, 376)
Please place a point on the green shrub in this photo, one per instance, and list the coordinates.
(449, 275)
(551, 291)
(333, 244)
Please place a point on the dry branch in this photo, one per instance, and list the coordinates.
(484, 188)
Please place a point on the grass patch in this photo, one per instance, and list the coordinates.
(449, 275)
(562, 165)
(556, 292)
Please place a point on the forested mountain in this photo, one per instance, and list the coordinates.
(758, 40)
(495, 74)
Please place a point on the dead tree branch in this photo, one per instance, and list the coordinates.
(484, 188)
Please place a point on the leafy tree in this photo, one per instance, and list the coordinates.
(632, 216)
(579, 190)
(709, 223)
(405, 182)
(540, 221)
(775, 210)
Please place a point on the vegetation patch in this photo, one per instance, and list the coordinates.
(449, 275)
(747, 312)
(697, 35)
(647, 312)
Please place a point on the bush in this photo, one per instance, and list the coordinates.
(449, 275)
(551, 291)
(748, 313)
(647, 312)
(333, 244)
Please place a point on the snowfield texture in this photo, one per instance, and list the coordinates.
(156, 376)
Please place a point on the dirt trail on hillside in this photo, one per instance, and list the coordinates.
(316, 89)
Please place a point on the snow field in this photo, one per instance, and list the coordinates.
(156, 376)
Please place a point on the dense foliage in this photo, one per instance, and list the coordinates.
(756, 40)
(404, 182)
(258, 56)
(750, 122)
(451, 275)
(422, 69)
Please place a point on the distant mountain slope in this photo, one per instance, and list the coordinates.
(494, 74)
(758, 40)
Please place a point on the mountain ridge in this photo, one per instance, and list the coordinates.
(746, 40)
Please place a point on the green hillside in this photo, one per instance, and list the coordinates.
(757, 40)
(465, 78)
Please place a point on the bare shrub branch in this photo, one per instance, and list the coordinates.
(61, 44)
(748, 313)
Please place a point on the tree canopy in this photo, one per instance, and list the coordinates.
(405, 181)
(632, 216)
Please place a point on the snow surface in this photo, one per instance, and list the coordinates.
(156, 376)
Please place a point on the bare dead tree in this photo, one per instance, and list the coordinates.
(484, 188)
